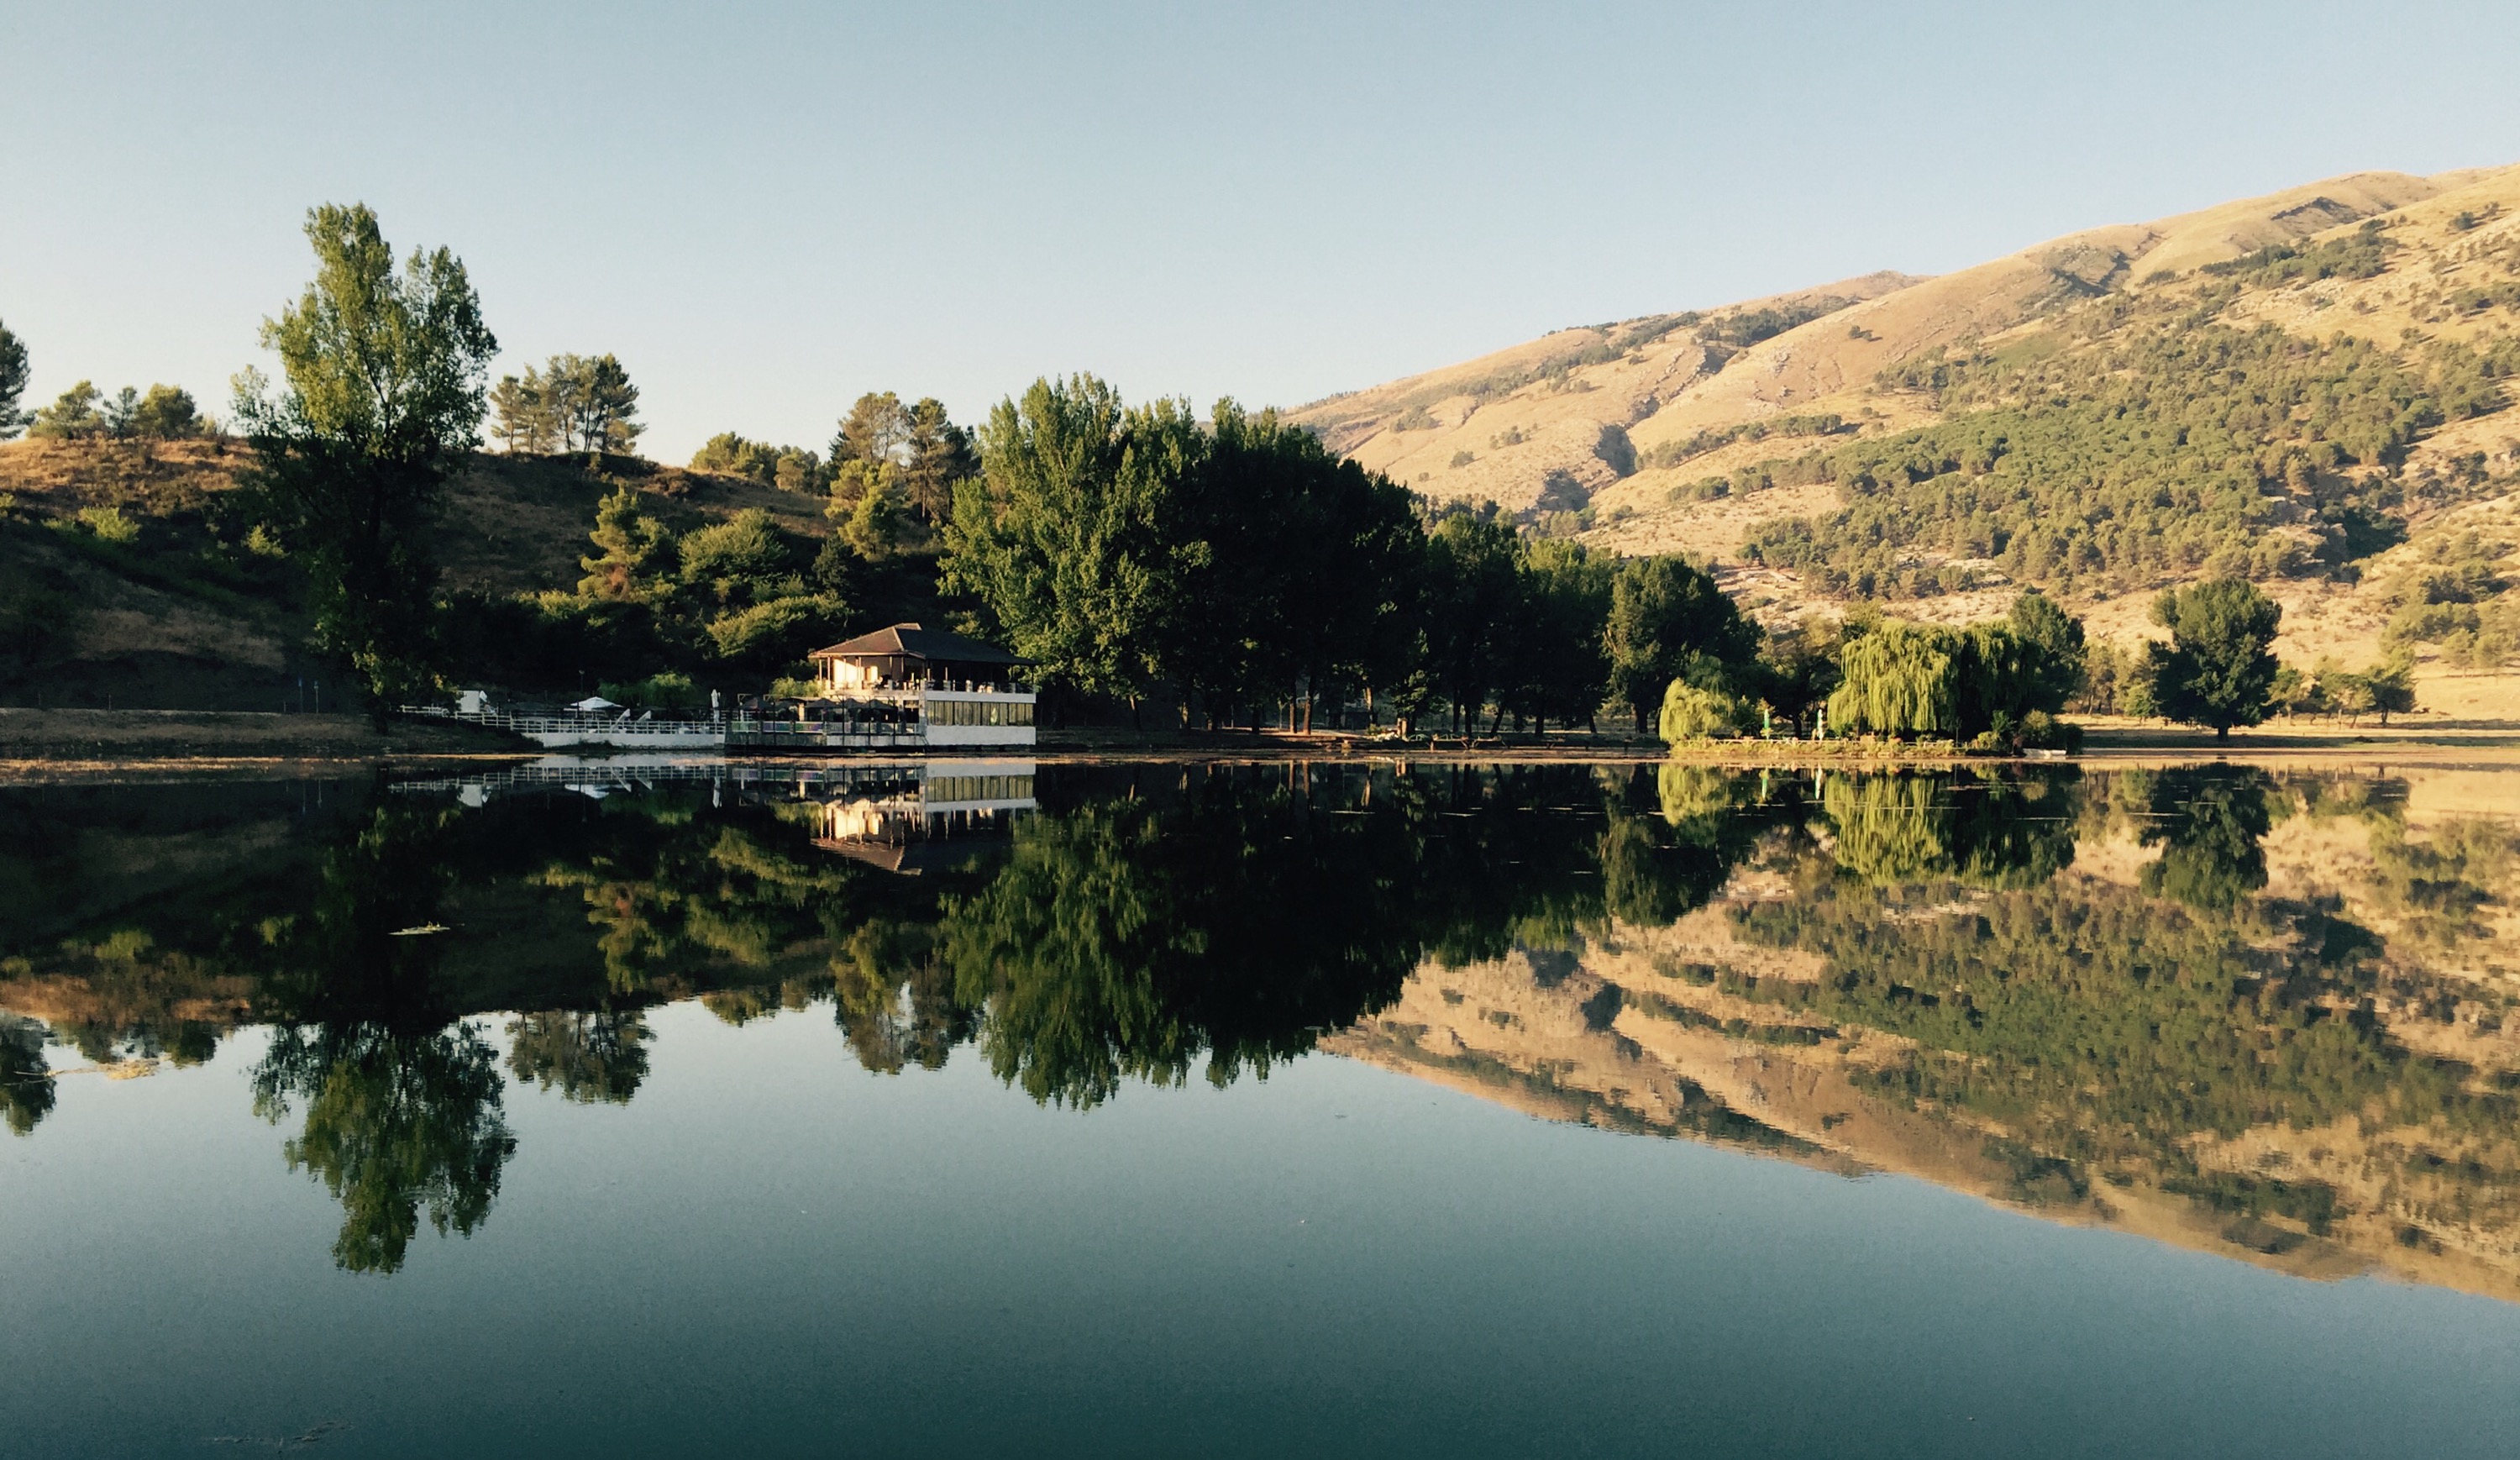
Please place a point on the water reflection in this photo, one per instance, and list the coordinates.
(2255, 1013)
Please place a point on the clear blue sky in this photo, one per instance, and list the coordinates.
(766, 209)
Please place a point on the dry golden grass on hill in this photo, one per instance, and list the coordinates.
(1540, 426)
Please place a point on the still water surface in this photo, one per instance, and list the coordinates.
(1157, 1110)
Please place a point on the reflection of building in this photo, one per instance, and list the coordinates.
(937, 820)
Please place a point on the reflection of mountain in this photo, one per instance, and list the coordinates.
(2235, 1079)
(2267, 1017)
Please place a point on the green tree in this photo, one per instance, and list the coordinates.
(1900, 679)
(1063, 542)
(602, 405)
(519, 420)
(867, 502)
(1698, 712)
(167, 413)
(2219, 669)
(938, 453)
(634, 551)
(1662, 612)
(76, 416)
(120, 411)
(1560, 663)
(876, 430)
(1474, 589)
(797, 469)
(2393, 686)
(1293, 566)
(2056, 676)
(383, 388)
(14, 370)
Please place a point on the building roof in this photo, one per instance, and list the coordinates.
(910, 641)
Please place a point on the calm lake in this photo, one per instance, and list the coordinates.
(987, 1108)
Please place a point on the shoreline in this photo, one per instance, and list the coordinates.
(57, 745)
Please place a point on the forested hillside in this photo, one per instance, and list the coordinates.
(2283, 388)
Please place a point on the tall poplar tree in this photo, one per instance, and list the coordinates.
(383, 373)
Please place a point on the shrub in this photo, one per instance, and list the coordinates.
(109, 523)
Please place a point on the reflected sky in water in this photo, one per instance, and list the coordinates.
(1239, 1110)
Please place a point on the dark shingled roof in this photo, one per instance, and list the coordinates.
(910, 641)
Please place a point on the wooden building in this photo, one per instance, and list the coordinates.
(908, 654)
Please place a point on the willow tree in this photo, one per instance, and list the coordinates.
(1901, 679)
(383, 385)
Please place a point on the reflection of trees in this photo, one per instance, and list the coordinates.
(1121, 941)
(394, 1122)
(1131, 937)
(896, 1003)
(666, 895)
(26, 1079)
(1710, 818)
(591, 1057)
(1982, 829)
(2210, 820)
(2436, 888)
(401, 1110)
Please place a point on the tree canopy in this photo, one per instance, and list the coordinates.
(2218, 668)
(14, 370)
(383, 371)
(1663, 610)
(572, 404)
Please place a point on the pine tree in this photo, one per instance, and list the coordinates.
(13, 383)
(633, 552)
(874, 431)
(938, 454)
(74, 416)
(516, 407)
